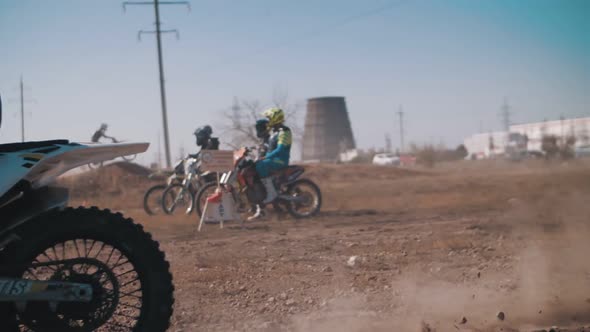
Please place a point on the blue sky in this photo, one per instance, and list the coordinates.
(449, 63)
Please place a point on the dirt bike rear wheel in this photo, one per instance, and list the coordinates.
(133, 288)
(171, 199)
(152, 200)
(311, 194)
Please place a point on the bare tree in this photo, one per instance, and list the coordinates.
(238, 129)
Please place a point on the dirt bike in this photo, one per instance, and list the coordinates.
(152, 200)
(300, 196)
(98, 164)
(73, 269)
(183, 192)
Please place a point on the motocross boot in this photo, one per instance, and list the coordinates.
(271, 191)
(258, 214)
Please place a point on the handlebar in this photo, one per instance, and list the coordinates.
(250, 148)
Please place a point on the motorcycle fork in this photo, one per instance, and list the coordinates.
(185, 186)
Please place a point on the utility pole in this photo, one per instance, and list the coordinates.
(388, 143)
(22, 110)
(21, 101)
(158, 32)
(159, 152)
(506, 115)
(561, 125)
(401, 128)
(236, 115)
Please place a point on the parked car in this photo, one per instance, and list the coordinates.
(535, 154)
(386, 159)
(583, 151)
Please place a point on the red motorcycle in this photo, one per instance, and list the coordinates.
(300, 196)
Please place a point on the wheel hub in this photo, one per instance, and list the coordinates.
(93, 313)
(103, 302)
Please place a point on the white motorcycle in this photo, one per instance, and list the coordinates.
(73, 269)
(182, 193)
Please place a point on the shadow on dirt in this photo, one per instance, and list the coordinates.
(265, 228)
(350, 213)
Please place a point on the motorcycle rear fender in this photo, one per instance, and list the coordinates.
(30, 205)
(293, 173)
(40, 163)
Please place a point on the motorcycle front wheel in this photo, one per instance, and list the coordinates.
(129, 275)
(176, 196)
(201, 197)
(152, 200)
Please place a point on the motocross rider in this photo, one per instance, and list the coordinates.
(204, 139)
(263, 134)
(279, 152)
(100, 133)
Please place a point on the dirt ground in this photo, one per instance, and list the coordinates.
(446, 249)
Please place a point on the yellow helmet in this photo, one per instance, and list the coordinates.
(275, 116)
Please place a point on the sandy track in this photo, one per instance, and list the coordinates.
(465, 240)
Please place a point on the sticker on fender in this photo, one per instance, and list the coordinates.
(14, 287)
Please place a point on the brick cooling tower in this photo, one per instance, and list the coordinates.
(327, 130)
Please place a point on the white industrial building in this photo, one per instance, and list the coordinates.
(486, 145)
(578, 127)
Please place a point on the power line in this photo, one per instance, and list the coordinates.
(158, 32)
(317, 31)
(370, 12)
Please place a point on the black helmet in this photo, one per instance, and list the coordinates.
(203, 134)
(262, 128)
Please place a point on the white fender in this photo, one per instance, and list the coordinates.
(40, 169)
